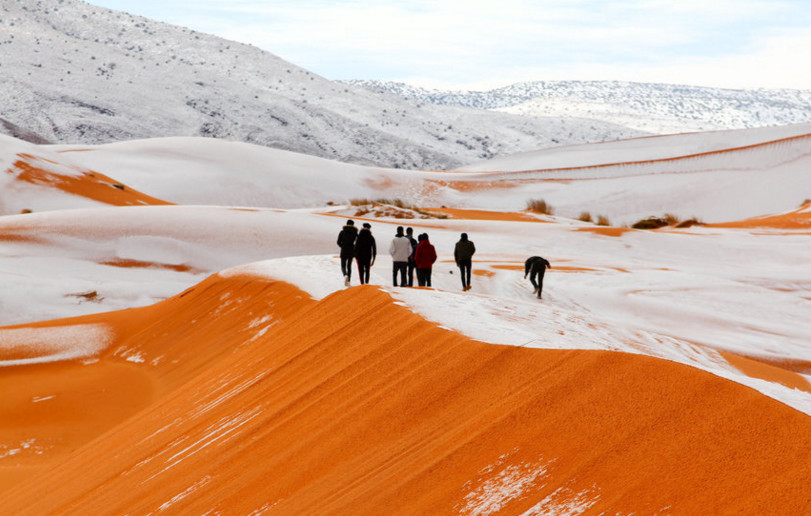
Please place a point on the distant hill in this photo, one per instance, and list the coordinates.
(656, 108)
(77, 74)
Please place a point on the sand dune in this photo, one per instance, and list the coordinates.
(353, 405)
(664, 372)
(799, 219)
(92, 185)
(34, 178)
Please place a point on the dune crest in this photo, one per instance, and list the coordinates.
(35, 170)
(262, 399)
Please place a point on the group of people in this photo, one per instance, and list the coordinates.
(409, 255)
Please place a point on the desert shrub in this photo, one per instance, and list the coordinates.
(671, 219)
(650, 223)
(585, 217)
(689, 222)
(539, 206)
(602, 220)
(359, 202)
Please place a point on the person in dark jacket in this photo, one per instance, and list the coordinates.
(535, 267)
(424, 258)
(346, 241)
(365, 252)
(463, 254)
(411, 266)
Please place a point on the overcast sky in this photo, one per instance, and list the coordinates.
(478, 44)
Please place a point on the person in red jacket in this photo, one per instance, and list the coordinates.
(424, 258)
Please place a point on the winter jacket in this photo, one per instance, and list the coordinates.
(464, 251)
(535, 263)
(400, 249)
(414, 244)
(425, 255)
(365, 247)
(346, 240)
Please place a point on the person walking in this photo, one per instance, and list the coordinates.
(424, 258)
(463, 255)
(411, 265)
(399, 250)
(346, 241)
(535, 267)
(365, 252)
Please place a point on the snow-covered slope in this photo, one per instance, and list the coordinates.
(233, 336)
(657, 108)
(74, 73)
(717, 177)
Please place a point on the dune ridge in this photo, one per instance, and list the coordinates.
(93, 185)
(265, 400)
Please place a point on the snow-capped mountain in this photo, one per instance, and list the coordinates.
(657, 108)
(74, 73)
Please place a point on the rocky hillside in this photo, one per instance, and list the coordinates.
(656, 108)
(74, 73)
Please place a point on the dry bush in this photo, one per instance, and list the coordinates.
(540, 206)
(689, 222)
(359, 202)
(650, 223)
(671, 219)
(602, 220)
(585, 217)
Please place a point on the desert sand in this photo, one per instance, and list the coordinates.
(160, 358)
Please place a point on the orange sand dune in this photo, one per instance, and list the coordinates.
(253, 398)
(459, 213)
(98, 187)
(794, 220)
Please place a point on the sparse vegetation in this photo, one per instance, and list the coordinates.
(585, 217)
(394, 208)
(667, 219)
(602, 220)
(540, 206)
(650, 223)
(689, 222)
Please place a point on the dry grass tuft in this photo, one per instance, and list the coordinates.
(394, 208)
(689, 223)
(650, 223)
(667, 219)
(540, 206)
(585, 217)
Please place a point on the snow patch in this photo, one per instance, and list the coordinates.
(50, 344)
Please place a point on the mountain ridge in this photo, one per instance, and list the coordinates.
(654, 107)
(73, 73)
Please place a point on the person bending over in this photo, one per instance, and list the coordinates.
(535, 267)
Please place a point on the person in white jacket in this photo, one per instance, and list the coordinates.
(400, 250)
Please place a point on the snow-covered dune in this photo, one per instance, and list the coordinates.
(208, 357)
(716, 177)
(33, 178)
(354, 403)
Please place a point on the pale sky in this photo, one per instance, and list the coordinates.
(480, 44)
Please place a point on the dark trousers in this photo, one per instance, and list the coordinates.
(346, 265)
(537, 279)
(402, 267)
(364, 266)
(411, 267)
(424, 277)
(464, 271)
